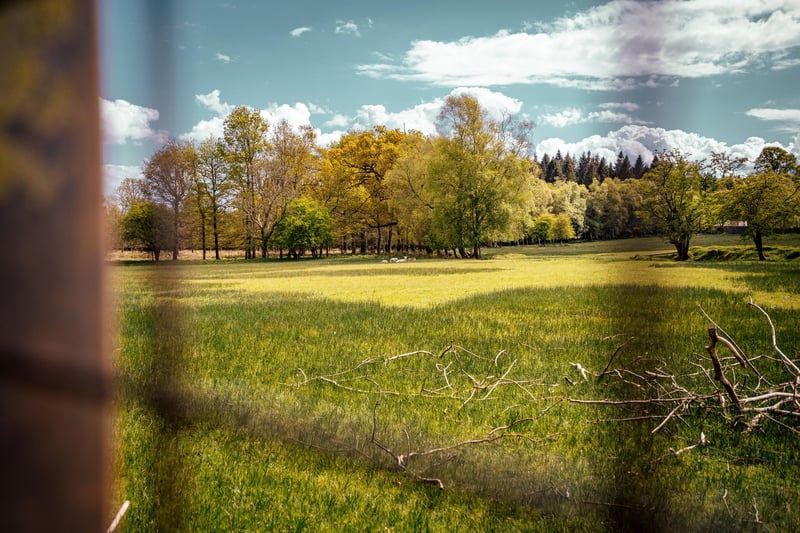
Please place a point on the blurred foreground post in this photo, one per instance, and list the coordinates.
(54, 374)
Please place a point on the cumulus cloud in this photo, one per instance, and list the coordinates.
(347, 28)
(296, 115)
(123, 121)
(213, 127)
(621, 44)
(317, 109)
(327, 139)
(422, 117)
(337, 120)
(223, 57)
(636, 140)
(297, 32)
(212, 102)
(564, 118)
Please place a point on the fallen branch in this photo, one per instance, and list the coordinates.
(718, 374)
(613, 355)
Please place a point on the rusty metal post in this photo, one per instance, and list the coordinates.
(54, 375)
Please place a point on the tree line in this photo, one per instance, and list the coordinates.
(266, 188)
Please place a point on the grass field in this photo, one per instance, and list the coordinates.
(267, 396)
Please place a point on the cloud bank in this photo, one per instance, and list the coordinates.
(618, 45)
(636, 140)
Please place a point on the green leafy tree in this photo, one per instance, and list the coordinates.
(674, 201)
(282, 176)
(410, 199)
(305, 226)
(725, 167)
(353, 173)
(245, 146)
(146, 227)
(766, 200)
(475, 181)
(540, 230)
(561, 229)
(777, 160)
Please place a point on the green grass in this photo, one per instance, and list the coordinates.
(248, 447)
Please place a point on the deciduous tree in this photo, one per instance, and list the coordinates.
(766, 200)
(245, 145)
(474, 179)
(146, 226)
(212, 183)
(674, 202)
(281, 177)
(168, 174)
(305, 226)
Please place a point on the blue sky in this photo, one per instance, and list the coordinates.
(637, 76)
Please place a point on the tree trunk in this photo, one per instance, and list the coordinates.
(203, 236)
(759, 241)
(175, 236)
(216, 238)
(682, 247)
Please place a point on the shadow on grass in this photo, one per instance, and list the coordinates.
(222, 367)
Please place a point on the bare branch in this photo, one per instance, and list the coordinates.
(613, 355)
(718, 375)
(785, 359)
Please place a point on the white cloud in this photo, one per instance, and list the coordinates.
(496, 104)
(114, 174)
(297, 32)
(337, 120)
(573, 115)
(296, 115)
(790, 118)
(318, 110)
(213, 127)
(223, 57)
(617, 45)
(123, 121)
(212, 102)
(327, 139)
(422, 117)
(347, 28)
(625, 106)
(564, 118)
(635, 140)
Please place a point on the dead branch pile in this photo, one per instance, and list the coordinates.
(737, 388)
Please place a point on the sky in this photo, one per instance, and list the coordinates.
(621, 75)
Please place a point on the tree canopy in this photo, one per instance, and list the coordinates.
(474, 183)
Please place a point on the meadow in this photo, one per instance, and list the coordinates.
(342, 393)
